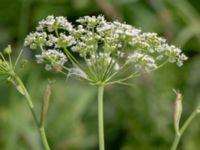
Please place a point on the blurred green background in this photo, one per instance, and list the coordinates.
(138, 117)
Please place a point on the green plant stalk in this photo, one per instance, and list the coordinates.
(44, 138)
(31, 107)
(100, 117)
(183, 128)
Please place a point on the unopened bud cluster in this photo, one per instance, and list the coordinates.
(6, 68)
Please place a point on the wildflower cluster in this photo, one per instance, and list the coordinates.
(105, 51)
(53, 59)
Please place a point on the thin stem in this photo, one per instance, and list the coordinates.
(18, 57)
(31, 107)
(20, 84)
(183, 128)
(10, 60)
(72, 59)
(90, 69)
(44, 138)
(100, 117)
(134, 74)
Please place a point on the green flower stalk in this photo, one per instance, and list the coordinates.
(99, 52)
(8, 73)
(177, 112)
(177, 116)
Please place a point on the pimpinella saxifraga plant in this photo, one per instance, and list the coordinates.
(99, 52)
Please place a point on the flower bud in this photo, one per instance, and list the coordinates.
(8, 50)
(177, 111)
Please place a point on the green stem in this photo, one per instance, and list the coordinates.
(24, 92)
(100, 117)
(175, 142)
(44, 138)
(183, 128)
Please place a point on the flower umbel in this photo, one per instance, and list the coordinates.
(100, 50)
(36, 39)
(53, 59)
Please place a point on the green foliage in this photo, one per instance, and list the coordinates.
(138, 117)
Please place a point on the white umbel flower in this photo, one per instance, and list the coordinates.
(52, 40)
(142, 61)
(53, 59)
(106, 50)
(52, 23)
(65, 41)
(36, 39)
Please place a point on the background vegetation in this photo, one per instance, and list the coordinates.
(138, 117)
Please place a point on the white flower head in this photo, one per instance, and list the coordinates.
(142, 61)
(36, 39)
(65, 41)
(53, 59)
(91, 22)
(52, 40)
(105, 50)
(52, 23)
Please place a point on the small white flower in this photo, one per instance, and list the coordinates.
(36, 39)
(63, 23)
(181, 59)
(65, 41)
(142, 61)
(52, 40)
(116, 67)
(91, 22)
(48, 67)
(52, 58)
(39, 59)
(46, 24)
(52, 23)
